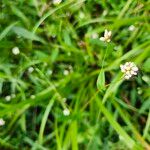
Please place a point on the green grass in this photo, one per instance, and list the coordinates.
(61, 66)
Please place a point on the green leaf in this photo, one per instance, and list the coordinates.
(101, 80)
(146, 65)
(127, 139)
(27, 34)
(6, 30)
(20, 14)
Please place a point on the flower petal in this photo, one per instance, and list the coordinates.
(135, 68)
(126, 77)
(102, 38)
(106, 33)
(109, 33)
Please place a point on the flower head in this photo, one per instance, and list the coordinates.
(129, 69)
(66, 72)
(131, 28)
(56, 2)
(8, 98)
(49, 72)
(15, 51)
(107, 36)
(30, 69)
(2, 122)
(66, 112)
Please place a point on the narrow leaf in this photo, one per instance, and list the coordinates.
(6, 30)
(27, 34)
(101, 80)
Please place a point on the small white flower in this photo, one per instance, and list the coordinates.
(2, 122)
(129, 69)
(8, 98)
(32, 96)
(131, 28)
(66, 112)
(66, 72)
(30, 69)
(56, 2)
(94, 36)
(15, 51)
(107, 36)
(49, 72)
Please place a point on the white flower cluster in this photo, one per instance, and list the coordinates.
(107, 36)
(129, 69)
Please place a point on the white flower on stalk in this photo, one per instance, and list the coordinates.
(66, 112)
(107, 36)
(129, 69)
(56, 2)
(15, 51)
(2, 122)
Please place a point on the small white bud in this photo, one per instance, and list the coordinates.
(56, 2)
(30, 69)
(49, 72)
(2, 122)
(15, 51)
(66, 72)
(131, 28)
(66, 112)
(8, 98)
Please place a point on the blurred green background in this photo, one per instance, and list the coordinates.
(50, 59)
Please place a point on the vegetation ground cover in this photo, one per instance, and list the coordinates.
(61, 87)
